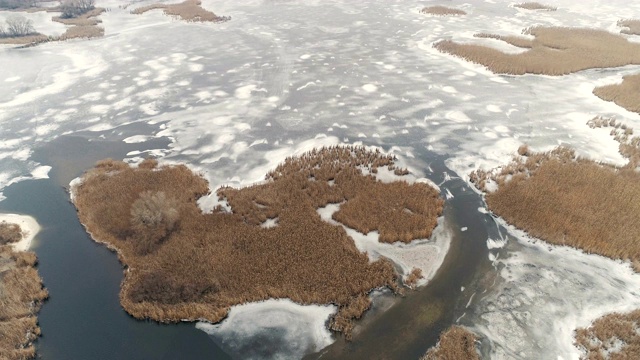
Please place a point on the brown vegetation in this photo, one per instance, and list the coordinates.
(414, 276)
(456, 343)
(553, 51)
(9, 233)
(632, 26)
(189, 10)
(184, 264)
(625, 94)
(21, 295)
(629, 144)
(565, 200)
(442, 11)
(535, 6)
(614, 336)
(88, 18)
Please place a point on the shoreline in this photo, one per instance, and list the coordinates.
(29, 226)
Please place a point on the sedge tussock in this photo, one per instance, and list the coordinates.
(189, 10)
(535, 6)
(625, 94)
(21, 295)
(613, 336)
(184, 264)
(456, 343)
(631, 26)
(553, 51)
(442, 11)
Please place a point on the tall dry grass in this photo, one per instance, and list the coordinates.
(535, 6)
(614, 336)
(89, 18)
(553, 51)
(565, 200)
(632, 27)
(21, 295)
(189, 10)
(206, 263)
(629, 144)
(625, 94)
(442, 11)
(456, 343)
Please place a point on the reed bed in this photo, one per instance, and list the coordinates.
(21, 295)
(625, 94)
(632, 27)
(442, 11)
(535, 6)
(553, 51)
(184, 264)
(24, 40)
(456, 343)
(9, 233)
(87, 19)
(613, 336)
(189, 10)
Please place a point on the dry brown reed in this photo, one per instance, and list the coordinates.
(629, 144)
(625, 94)
(456, 343)
(24, 40)
(632, 26)
(614, 336)
(414, 276)
(553, 51)
(565, 200)
(82, 32)
(442, 11)
(87, 19)
(9, 233)
(205, 263)
(21, 295)
(189, 10)
(535, 6)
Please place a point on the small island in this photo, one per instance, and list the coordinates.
(188, 10)
(264, 241)
(21, 291)
(442, 11)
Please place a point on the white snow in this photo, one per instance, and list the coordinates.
(29, 226)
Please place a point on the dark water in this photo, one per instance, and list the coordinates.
(83, 318)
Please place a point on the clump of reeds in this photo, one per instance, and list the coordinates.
(631, 27)
(625, 94)
(613, 336)
(442, 11)
(629, 144)
(553, 51)
(414, 276)
(535, 6)
(9, 233)
(201, 264)
(189, 10)
(456, 343)
(566, 200)
(20, 298)
(88, 18)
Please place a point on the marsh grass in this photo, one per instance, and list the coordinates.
(9, 233)
(442, 11)
(89, 18)
(553, 51)
(535, 6)
(625, 94)
(21, 295)
(456, 343)
(189, 10)
(613, 336)
(206, 263)
(631, 26)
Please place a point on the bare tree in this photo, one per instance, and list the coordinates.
(19, 26)
(74, 8)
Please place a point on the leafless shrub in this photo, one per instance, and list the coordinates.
(442, 11)
(456, 343)
(213, 261)
(553, 51)
(75, 8)
(535, 6)
(18, 26)
(9, 233)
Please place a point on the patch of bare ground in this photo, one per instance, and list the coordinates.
(184, 264)
(552, 51)
(456, 343)
(611, 337)
(625, 94)
(535, 6)
(632, 27)
(442, 11)
(21, 295)
(189, 10)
